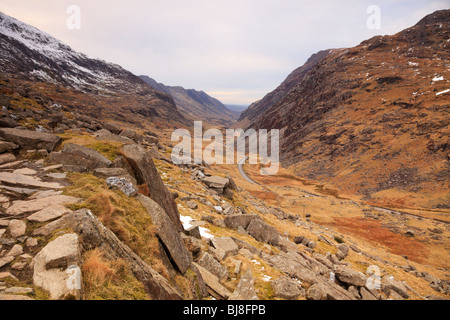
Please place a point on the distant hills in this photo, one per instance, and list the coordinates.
(196, 105)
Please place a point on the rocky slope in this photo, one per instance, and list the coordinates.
(101, 215)
(196, 105)
(373, 119)
(100, 88)
(258, 108)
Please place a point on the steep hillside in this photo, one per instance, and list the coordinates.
(196, 105)
(373, 119)
(259, 107)
(98, 87)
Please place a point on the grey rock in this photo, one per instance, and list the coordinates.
(168, 234)
(245, 289)
(350, 276)
(145, 172)
(208, 262)
(77, 158)
(287, 288)
(263, 232)
(225, 244)
(29, 140)
(215, 288)
(17, 228)
(240, 220)
(123, 185)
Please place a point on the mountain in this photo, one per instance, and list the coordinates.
(373, 119)
(196, 105)
(102, 88)
(259, 107)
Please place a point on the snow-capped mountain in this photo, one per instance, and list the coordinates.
(32, 54)
(91, 86)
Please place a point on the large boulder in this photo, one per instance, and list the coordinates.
(225, 245)
(287, 288)
(208, 262)
(240, 220)
(350, 276)
(31, 140)
(145, 172)
(93, 234)
(168, 234)
(217, 183)
(215, 288)
(78, 158)
(263, 232)
(51, 266)
(245, 289)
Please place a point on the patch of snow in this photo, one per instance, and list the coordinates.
(186, 221)
(266, 278)
(413, 64)
(437, 78)
(442, 92)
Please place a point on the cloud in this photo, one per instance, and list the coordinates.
(245, 47)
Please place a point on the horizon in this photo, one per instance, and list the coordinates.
(226, 49)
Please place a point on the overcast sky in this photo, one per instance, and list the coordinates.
(235, 50)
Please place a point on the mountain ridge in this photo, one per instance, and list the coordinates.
(28, 54)
(372, 118)
(197, 105)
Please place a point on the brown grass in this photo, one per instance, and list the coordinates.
(375, 233)
(109, 280)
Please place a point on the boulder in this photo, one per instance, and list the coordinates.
(208, 262)
(287, 288)
(226, 245)
(350, 276)
(343, 250)
(168, 234)
(123, 185)
(112, 127)
(20, 207)
(17, 228)
(50, 213)
(133, 135)
(240, 220)
(216, 289)
(51, 267)
(389, 284)
(7, 146)
(145, 172)
(77, 158)
(263, 232)
(31, 140)
(191, 205)
(293, 267)
(245, 289)
(27, 181)
(216, 183)
(6, 158)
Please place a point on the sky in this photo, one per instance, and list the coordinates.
(235, 50)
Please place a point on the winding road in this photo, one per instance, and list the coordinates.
(242, 172)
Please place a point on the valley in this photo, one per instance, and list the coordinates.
(94, 207)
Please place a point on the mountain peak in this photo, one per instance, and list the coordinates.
(440, 16)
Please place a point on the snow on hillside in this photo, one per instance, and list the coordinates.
(53, 61)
